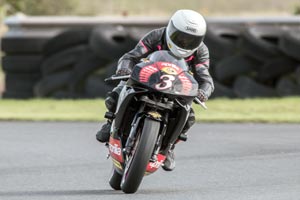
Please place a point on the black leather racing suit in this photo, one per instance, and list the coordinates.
(155, 41)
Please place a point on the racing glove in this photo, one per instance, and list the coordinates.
(202, 95)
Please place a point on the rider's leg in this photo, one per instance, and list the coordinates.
(190, 122)
(111, 104)
(169, 163)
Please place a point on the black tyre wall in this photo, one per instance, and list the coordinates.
(233, 66)
(221, 41)
(290, 43)
(110, 43)
(67, 39)
(222, 91)
(63, 60)
(21, 63)
(245, 87)
(17, 95)
(84, 68)
(261, 43)
(52, 83)
(22, 83)
(287, 86)
(95, 87)
(23, 45)
(276, 68)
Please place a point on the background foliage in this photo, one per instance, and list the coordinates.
(154, 7)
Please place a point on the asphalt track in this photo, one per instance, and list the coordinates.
(219, 161)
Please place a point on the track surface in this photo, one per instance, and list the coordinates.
(219, 161)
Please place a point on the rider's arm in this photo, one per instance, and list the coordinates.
(145, 46)
(201, 67)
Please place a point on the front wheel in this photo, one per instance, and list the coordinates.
(137, 163)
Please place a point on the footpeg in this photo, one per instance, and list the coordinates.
(183, 137)
(109, 115)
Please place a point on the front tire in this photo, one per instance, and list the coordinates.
(134, 172)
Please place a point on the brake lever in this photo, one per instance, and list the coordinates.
(202, 104)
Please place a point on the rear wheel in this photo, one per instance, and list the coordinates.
(141, 154)
(115, 180)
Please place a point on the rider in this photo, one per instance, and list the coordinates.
(184, 38)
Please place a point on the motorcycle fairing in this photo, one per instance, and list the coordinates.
(115, 151)
(125, 98)
(165, 77)
(153, 166)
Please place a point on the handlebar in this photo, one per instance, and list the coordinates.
(114, 78)
(202, 104)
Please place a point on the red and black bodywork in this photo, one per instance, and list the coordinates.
(158, 94)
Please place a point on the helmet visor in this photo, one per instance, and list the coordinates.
(184, 40)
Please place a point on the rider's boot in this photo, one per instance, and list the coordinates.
(169, 163)
(104, 133)
(111, 104)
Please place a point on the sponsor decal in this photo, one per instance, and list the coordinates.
(191, 29)
(115, 149)
(186, 84)
(169, 68)
(166, 67)
(117, 164)
(153, 166)
(146, 72)
(154, 114)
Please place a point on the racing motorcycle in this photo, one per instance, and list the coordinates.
(152, 110)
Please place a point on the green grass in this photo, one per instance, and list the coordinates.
(284, 110)
(1, 79)
(168, 7)
(52, 110)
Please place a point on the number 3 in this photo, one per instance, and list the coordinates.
(166, 82)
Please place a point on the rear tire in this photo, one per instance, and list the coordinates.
(134, 173)
(115, 180)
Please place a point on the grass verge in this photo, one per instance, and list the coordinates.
(279, 110)
(273, 110)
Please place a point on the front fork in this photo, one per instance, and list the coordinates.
(160, 138)
(133, 132)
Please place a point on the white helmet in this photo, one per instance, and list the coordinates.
(185, 32)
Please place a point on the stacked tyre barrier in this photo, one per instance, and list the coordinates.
(72, 64)
(261, 60)
(76, 61)
(254, 61)
(21, 64)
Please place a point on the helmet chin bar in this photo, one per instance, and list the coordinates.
(177, 51)
(182, 53)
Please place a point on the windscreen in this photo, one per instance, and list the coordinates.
(167, 56)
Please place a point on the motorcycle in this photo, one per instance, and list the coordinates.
(152, 110)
